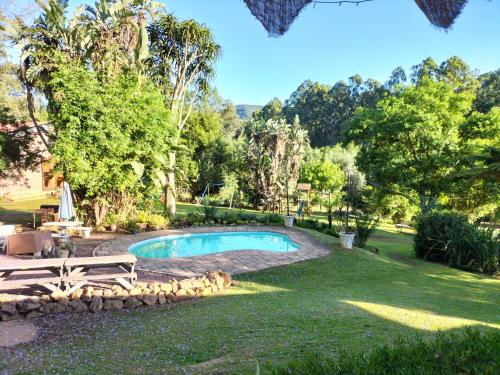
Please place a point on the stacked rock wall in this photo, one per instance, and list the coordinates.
(93, 299)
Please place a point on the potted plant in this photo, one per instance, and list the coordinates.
(66, 249)
(347, 235)
(112, 221)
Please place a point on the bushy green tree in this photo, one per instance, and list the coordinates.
(410, 141)
(108, 136)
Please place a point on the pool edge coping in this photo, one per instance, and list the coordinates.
(233, 261)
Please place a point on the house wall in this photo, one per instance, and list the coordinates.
(30, 186)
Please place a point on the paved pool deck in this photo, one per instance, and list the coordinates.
(234, 262)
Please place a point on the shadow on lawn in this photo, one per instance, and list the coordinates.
(349, 299)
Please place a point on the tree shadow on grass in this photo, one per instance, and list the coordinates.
(347, 300)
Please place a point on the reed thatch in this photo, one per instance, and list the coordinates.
(441, 13)
(277, 15)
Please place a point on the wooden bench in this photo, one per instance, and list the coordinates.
(76, 270)
(28, 267)
(400, 227)
(69, 273)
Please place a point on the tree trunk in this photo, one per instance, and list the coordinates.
(426, 203)
(170, 204)
(31, 110)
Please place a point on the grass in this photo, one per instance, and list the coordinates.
(21, 211)
(349, 300)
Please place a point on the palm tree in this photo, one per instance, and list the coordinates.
(51, 39)
(115, 33)
(182, 55)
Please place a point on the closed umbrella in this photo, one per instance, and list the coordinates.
(66, 210)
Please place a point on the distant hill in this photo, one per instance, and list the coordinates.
(246, 110)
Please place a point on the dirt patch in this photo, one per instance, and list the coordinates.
(405, 259)
(16, 332)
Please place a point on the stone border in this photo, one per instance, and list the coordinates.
(95, 299)
(233, 262)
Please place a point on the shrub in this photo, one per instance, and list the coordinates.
(471, 352)
(209, 209)
(364, 225)
(449, 238)
(230, 218)
(156, 222)
(247, 217)
(194, 218)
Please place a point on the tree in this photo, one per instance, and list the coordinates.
(488, 94)
(109, 136)
(271, 111)
(409, 142)
(274, 155)
(323, 175)
(182, 54)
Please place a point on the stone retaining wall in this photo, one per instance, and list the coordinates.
(93, 299)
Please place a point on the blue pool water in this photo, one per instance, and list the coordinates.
(187, 245)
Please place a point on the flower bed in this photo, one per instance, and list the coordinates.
(93, 299)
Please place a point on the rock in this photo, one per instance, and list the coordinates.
(7, 317)
(116, 289)
(6, 298)
(63, 302)
(88, 291)
(76, 294)
(146, 291)
(28, 306)
(206, 291)
(214, 288)
(98, 292)
(112, 304)
(132, 302)
(53, 308)
(181, 293)
(175, 285)
(108, 293)
(156, 290)
(162, 299)
(206, 282)
(8, 308)
(135, 292)
(57, 295)
(227, 281)
(96, 304)
(190, 292)
(33, 314)
(79, 306)
(45, 298)
(122, 295)
(166, 288)
(150, 299)
(186, 284)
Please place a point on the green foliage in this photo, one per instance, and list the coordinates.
(271, 111)
(364, 226)
(473, 352)
(410, 141)
(209, 209)
(104, 131)
(449, 238)
(323, 175)
(325, 110)
(274, 154)
(230, 188)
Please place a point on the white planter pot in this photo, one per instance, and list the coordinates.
(288, 220)
(346, 240)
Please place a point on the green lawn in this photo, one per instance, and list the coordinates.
(348, 300)
(21, 211)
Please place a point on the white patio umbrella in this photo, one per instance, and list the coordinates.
(66, 210)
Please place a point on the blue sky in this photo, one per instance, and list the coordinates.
(327, 43)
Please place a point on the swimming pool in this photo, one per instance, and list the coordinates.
(188, 245)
